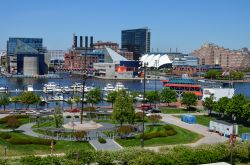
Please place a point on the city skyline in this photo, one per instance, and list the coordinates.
(174, 24)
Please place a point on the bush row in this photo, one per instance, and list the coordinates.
(5, 119)
(169, 131)
(17, 140)
(180, 155)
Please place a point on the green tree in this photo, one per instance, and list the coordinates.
(246, 112)
(168, 96)
(77, 99)
(15, 100)
(58, 117)
(111, 97)
(152, 96)
(209, 104)
(13, 122)
(70, 102)
(221, 104)
(123, 108)
(236, 105)
(4, 100)
(189, 99)
(133, 95)
(93, 96)
(213, 74)
(29, 98)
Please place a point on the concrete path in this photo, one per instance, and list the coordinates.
(109, 145)
(209, 137)
(26, 128)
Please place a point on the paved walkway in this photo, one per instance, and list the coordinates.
(209, 137)
(109, 145)
(26, 128)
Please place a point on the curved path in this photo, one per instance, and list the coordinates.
(208, 137)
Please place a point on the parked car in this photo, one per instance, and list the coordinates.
(31, 112)
(15, 112)
(154, 110)
(146, 107)
(45, 111)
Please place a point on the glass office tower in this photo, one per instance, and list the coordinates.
(25, 56)
(136, 41)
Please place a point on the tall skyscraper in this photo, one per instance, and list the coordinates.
(136, 41)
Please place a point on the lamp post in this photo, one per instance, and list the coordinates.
(85, 74)
(5, 154)
(143, 110)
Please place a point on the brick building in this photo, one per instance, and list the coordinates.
(211, 54)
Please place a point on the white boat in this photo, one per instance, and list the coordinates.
(3, 89)
(108, 88)
(57, 97)
(119, 86)
(66, 89)
(30, 88)
(139, 98)
(50, 87)
(76, 86)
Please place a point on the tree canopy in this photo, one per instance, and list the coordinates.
(168, 96)
(189, 99)
(123, 108)
(4, 100)
(111, 97)
(152, 96)
(29, 98)
(209, 104)
(93, 96)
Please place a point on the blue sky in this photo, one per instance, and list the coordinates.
(182, 24)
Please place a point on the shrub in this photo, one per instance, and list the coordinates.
(102, 140)
(5, 135)
(168, 131)
(125, 129)
(17, 140)
(154, 118)
(13, 122)
(79, 135)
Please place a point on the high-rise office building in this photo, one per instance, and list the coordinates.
(26, 56)
(136, 41)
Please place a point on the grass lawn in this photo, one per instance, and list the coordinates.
(183, 136)
(45, 124)
(204, 120)
(31, 149)
(174, 110)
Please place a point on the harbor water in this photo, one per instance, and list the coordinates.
(19, 84)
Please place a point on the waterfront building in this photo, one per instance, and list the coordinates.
(211, 54)
(56, 54)
(115, 46)
(136, 41)
(26, 56)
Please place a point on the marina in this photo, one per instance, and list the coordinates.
(53, 90)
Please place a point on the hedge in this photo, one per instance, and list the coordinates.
(169, 131)
(6, 118)
(21, 141)
(180, 155)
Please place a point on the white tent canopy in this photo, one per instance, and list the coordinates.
(155, 60)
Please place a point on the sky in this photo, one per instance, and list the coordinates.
(182, 24)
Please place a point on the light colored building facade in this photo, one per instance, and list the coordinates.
(211, 54)
(115, 46)
(56, 54)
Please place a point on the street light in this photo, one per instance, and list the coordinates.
(144, 92)
(85, 74)
(5, 154)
